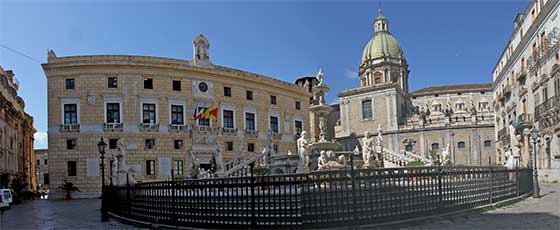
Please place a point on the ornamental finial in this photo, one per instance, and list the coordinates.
(379, 8)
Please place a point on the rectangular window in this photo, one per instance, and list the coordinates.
(366, 110)
(228, 119)
(229, 146)
(274, 124)
(227, 92)
(251, 147)
(273, 100)
(249, 95)
(275, 148)
(178, 144)
(113, 143)
(70, 114)
(113, 113)
(46, 180)
(45, 162)
(150, 167)
(461, 145)
(483, 105)
(176, 85)
(487, 143)
(460, 106)
(202, 122)
(148, 83)
(298, 127)
(112, 82)
(150, 143)
(71, 168)
(178, 167)
(149, 113)
(177, 115)
(70, 83)
(250, 121)
(71, 144)
(298, 105)
(38, 162)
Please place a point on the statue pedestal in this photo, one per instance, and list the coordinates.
(121, 177)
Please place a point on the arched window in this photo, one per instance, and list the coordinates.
(461, 144)
(435, 146)
(487, 143)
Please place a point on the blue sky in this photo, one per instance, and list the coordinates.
(445, 42)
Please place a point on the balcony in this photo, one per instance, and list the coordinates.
(503, 136)
(112, 127)
(148, 127)
(229, 131)
(205, 130)
(548, 113)
(521, 77)
(524, 121)
(251, 133)
(70, 128)
(177, 128)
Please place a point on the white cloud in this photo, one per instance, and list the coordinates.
(350, 74)
(41, 140)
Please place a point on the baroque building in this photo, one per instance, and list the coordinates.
(457, 118)
(16, 133)
(166, 112)
(527, 89)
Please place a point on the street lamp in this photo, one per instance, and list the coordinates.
(101, 148)
(534, 140)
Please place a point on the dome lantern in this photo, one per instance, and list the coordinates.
(381, 24)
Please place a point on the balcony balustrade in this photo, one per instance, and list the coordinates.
(149, 127)
(112, 127)
(70, 128)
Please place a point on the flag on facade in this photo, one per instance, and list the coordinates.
(198, 112)
(210, 113)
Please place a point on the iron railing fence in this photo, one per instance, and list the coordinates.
(318, 199)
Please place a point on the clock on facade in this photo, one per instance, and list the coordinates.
(203, 87)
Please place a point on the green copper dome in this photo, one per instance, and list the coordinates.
(382, 45)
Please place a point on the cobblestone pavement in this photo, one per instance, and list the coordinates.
(543, 213)
(57, 214)
(529, 214)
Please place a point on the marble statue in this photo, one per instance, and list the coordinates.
(121, 153)
(379, 138)
(328, 160)
(219, 158)
(510, 160)
(290, 153)
(319, 77)
(446, 155)
(263, 158)
(114, 167)
(303, 151)
(368, 152)
(514, 141)
(204, 174)
(195, 166)
(240, 155)
(322, 128)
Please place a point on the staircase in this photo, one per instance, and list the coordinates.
(242, 169)
(392, 160)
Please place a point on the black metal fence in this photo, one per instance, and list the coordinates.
(318, 199)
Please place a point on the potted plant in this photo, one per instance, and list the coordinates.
(69, 187)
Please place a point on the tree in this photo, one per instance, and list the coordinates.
(18, 184)
(69, 187)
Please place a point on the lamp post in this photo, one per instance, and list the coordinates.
(101, 148)
(534, 141)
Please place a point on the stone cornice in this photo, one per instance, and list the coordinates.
(359, 90)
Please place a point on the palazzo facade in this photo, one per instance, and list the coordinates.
(155, 106)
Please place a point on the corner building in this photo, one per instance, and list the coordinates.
(150, 102)
(527, 89)
(17, 157)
